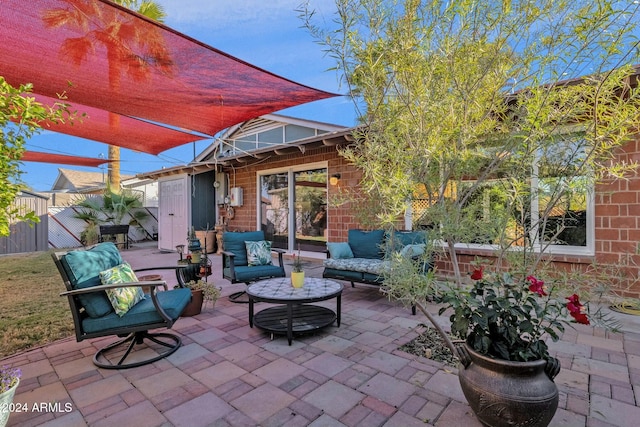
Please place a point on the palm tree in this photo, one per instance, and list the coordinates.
(130, 49)
(110, 209)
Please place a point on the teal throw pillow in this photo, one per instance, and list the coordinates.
(83, 268)
(233, 241)
(122, 299)
(413, 250)
(366, 244)
(258, 253)
(340, 250)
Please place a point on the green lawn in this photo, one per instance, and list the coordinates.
(32, 313)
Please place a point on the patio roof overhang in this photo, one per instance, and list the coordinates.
(330, 139)
(143, 85)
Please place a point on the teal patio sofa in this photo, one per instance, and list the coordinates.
(362, 259)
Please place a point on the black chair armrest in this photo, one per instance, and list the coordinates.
(159, 309)
(153, 284)
(227, 261)
(280, 253)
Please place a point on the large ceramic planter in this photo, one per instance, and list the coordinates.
(6, 400)
(506, 393)
(195, 305)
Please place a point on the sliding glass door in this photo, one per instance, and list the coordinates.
(274, 208)
(293, 208)
(310, 207)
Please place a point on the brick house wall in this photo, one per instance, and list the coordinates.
(617, 224)
(617, 216)
(617, 235)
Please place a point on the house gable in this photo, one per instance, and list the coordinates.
(264, 133)
(77, 181)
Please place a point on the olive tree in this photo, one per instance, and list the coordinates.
(500, 116)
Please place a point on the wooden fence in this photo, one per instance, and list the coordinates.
(65, 229)
(24, 236)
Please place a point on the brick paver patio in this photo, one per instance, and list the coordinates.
(227, 374)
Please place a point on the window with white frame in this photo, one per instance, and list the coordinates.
(554, 207)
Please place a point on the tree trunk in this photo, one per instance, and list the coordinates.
(114, 169)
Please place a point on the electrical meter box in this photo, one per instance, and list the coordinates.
(235, 196)
(220, 184)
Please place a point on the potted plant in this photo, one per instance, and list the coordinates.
(9, 380)
(201, 293)
(501, 313)
(503, 321)
(297, 274)
(110, 211)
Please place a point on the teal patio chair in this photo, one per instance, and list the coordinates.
(95, 314)
(242, 266)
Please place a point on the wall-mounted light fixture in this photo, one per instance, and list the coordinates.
(334, 179)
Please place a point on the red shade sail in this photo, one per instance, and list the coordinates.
(135, 134)
(108, 58)
(36, 156)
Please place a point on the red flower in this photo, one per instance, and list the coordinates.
(536, 286)
(581, 318)
(577, 310)
(477, 274)
(574, 303)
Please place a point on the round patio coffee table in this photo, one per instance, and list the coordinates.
(294, 313)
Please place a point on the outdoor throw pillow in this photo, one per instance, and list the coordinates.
(122, 299)
(258, 253)
(413, 250)
(340, 250)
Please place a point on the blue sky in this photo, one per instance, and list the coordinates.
(267, 34)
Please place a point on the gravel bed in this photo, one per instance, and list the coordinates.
(429, 344)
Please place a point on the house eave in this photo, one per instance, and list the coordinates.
(330, 139)
(191, 169)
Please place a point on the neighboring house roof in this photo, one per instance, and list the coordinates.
(81, 182)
